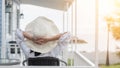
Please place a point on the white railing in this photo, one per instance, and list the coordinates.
(92, 65)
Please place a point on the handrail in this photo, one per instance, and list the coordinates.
(85, 59)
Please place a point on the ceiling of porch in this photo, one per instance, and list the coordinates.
(53, 4)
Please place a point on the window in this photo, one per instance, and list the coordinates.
(12, 50)
(18, 50)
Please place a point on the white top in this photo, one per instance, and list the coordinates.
(56, 52)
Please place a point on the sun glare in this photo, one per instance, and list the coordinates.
(107, 8)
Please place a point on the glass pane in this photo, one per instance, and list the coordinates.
(12, 50)
(18, 50)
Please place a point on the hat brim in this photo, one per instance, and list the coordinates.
(44, 48)
(41, 26)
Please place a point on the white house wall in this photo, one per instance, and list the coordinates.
(14, 24)
(5, 36)
(0, 25)
(14, 19)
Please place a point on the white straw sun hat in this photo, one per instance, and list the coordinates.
(40, 27)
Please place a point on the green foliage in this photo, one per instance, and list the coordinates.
(111, 66)
(116, 32)
(118, 54)
(113, 19)
(117, 3)
(70, 62)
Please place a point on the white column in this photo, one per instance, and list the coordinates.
(96, 31)
(75, 26)
(3, 46)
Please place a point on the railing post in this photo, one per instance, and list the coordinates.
(96, 31)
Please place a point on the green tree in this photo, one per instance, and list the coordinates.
(109, 21)
(113, 23)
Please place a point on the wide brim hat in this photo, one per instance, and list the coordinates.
(41, 27)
